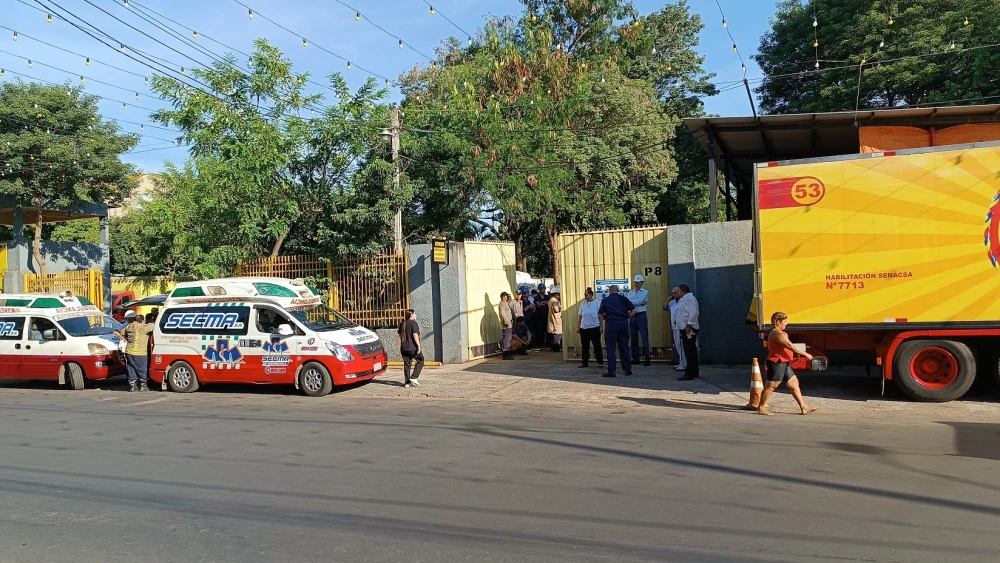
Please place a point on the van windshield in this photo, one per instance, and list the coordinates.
(321, 318)
(88, 326)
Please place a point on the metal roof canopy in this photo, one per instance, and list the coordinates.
(736, 144)
(29, 216)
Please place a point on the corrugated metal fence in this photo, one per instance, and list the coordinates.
(619, 254)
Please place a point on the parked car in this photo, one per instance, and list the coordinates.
(123, 306)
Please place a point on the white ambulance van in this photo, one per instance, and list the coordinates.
(62, 338)
(259, 330)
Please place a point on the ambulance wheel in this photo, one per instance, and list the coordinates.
(181, 378)
(74, 377)
(934, 371)
(315, 380)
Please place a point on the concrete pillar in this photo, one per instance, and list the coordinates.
(106, 261)
(18, 256)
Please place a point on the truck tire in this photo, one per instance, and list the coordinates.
(934, 371)
(181, 378)
(74, 377)
(315, 380)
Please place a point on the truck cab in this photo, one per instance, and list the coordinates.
(63, 338)
(259, 330)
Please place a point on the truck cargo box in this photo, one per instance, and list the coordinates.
(869, 241)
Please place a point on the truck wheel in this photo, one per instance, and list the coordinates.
(181, 378)
(314, 380)
(934, 371)
(74, 377)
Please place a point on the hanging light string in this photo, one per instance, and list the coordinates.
(59, 132)
(359, 15)
(447, 19)
(725, 24)
(305, 43)
(815, 32)
(87, 60)
(71, 73)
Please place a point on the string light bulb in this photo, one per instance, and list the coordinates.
(400, 43)
(534, 18)
(126, 3)
(182, 71)
(966, 21)
(304, 42)
(387, 82)
(734, 47)
(815, 21)
(744, 68)
(137, 95)
(348, 65)
(724, 24)
(470, 41)
(122, 47)
(881, 44)
(952, 45)
(890, 20)
(87, 61)
(15, 36)
(30, 65)
(194, 34)
(357, 16)
(815, 44)
(654, 51)
(124, 105)
(1, 72)
(250, 13)
(48, 18)
(670, 67)
(432, 10)
(145, 80)
(81, 80)
(250, 61)
(817, 64)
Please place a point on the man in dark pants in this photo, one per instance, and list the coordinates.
(687, 320)
(615, 312)
(541, 316)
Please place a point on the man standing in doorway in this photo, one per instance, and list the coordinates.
(614, 313)
(638, 325)
(506, 324)
(688, 312)
(672, 305)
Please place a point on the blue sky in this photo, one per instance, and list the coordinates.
(326, 23)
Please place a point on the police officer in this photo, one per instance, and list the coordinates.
(615, 312)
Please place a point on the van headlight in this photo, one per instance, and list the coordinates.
(341, 353)
(98, 350)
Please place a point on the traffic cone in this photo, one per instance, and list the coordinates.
(756, 386)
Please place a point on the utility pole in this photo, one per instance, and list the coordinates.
(397, 224)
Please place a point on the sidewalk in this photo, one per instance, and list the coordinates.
(543, 377)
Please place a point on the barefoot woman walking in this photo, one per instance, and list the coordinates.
(780, 353)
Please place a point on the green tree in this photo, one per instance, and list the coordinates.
(58, 153)
(556, 120)
(82, 230)
(866, 62)
(271, 160)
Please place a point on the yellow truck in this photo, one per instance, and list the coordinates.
(892, 253)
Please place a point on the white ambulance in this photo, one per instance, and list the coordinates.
(259, 330)
(62, 338)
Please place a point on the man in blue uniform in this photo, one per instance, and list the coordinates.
(615, 312)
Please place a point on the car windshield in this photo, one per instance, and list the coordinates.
(88, 326)
(321, 318)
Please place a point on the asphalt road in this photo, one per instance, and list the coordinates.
(107, 476)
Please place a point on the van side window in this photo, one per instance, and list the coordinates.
(268, 320)
(205, 320)
(11, 328)
(44, 329)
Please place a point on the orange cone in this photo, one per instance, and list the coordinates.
(756, 386)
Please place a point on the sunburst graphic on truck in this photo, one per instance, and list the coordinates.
(992, 236)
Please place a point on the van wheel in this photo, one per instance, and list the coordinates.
(934, 370)
(74, 377)
(181, 378)
(314, 380)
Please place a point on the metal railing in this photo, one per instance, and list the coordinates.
(83, 283)
(372, 291)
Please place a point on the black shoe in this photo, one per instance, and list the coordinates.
(628, 373)
(143, 387)
(647, 364)
(687, 378)
(133, 387)
(609, 375)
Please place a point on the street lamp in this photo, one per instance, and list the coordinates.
(386, 135)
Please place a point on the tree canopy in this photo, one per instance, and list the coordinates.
(908, 53)
(58, 154)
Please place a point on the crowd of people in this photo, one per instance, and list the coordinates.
(533, 319)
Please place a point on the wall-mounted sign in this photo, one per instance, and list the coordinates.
(601, 287)
(439, 252)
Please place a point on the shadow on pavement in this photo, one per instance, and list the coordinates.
(684, 404)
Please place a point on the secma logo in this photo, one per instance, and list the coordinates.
(9, 329)
(221, 355)
(218, 321)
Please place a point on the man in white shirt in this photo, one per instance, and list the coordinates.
(687, 320)
(672, 305)
(638, 325)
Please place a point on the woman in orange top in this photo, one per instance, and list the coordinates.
(780, 353)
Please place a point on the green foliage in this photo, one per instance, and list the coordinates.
(83, 230)
(554, 122)
(58, 153)
(273, 169)
(850, 32)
